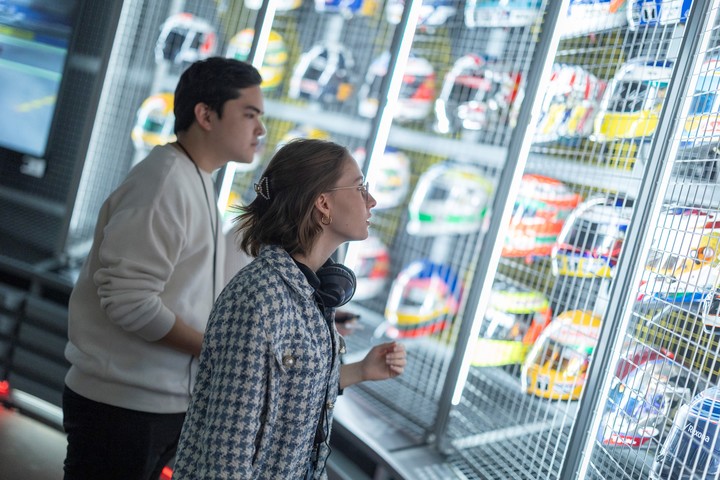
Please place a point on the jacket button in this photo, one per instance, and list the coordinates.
(330, 405)
(343, 350)
(288, 360)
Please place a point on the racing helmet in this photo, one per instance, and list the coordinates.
(276, 55)
(476, 93)
(449, 198)
(303, 131)
(692, 448)
(590, 241)
(640, 404)
(538, 216)
(280, 5)
(592, 16)
(417, 90)
(323, 74)
(683, 265)
(513, 321)
(155, 122)
(389, 176)
(633, 100)
(635, 354)
(570, 104)
(701, 131)
(347, 8)
(433, 13)
(423, 299)
(370, 261)
(185, 38)
(710, 311)
(556, 366)
(502, 13)
(651, 13)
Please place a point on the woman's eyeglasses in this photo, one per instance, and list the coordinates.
(363, 189)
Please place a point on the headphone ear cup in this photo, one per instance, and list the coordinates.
(337, 284)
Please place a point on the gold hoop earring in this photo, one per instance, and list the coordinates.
(326, 219)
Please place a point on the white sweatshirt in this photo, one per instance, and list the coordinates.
(151, 259)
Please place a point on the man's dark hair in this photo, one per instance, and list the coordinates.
(212, 81)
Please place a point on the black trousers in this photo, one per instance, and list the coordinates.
(115, 443)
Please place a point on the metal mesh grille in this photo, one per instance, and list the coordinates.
(657, 417)
(454, 122)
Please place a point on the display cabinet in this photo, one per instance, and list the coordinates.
(545, 239)
(652, 412)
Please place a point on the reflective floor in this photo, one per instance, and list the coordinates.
(29, 449)
(32, 450)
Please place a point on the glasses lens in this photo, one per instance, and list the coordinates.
(365, 191)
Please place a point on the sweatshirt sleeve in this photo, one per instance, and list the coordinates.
(139, 250)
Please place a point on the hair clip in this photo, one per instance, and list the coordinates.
(262, 188)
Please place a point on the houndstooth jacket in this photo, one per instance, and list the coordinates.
(269, 362)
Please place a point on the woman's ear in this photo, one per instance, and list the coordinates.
(322, 204)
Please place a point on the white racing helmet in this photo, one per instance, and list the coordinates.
(185, 38)
(570, 104)
(449, 198)
(640, 404)
(591, 239)
(323, 74)
(477, 92)
(417, 90)
(432, 12)
(592, 16)
(389, 177)
(370, 261)
(280, 5)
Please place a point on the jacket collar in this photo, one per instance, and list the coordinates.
(285, 266)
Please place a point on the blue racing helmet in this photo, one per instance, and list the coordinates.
(347, 7)
(651, 13)
(692, 448)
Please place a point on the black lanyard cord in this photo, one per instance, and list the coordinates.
(213, 227)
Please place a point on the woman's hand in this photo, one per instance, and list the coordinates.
(384, 361)
(387, 360)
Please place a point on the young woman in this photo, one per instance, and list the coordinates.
(270, 369)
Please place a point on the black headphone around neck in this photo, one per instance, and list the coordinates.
(337, 284)
(334, 283)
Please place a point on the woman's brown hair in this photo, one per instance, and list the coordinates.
(283, 210)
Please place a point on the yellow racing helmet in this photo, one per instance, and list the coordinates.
(276, 56)
(155, 122)
(631, 104)
(557, 364)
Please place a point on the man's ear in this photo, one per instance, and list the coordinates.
(202, 115)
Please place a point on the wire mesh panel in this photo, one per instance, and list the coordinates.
(316, 62)
(154, 43)
(462, 87)
(460, 92)
(658, 418)
(597, 115)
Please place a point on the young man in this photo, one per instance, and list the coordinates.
(143, 297)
